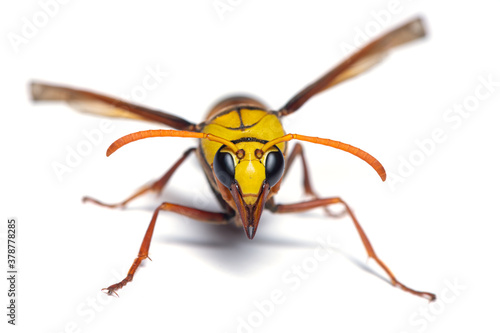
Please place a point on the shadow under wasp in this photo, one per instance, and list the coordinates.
(242, 149)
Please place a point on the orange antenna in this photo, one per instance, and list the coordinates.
(374, 163)
(166, 133)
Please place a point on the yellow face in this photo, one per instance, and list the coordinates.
(249, 167)
(247, 173)
(250, 172)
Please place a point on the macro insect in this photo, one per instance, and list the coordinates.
(242, 149)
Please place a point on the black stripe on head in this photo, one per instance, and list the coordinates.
(248, 139)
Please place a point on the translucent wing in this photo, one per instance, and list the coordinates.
(89, 102)
(358, 63)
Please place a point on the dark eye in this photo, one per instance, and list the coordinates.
(275, 165)
(224, 167)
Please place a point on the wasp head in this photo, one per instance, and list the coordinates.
(249, 174)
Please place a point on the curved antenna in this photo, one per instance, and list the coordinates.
(166, 133)
(372, 161)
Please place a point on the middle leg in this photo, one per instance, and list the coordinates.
(156, 186)
(306, 181)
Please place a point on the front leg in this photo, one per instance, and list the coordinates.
(315, 203)
(202, 215)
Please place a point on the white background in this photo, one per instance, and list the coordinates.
(438, 228)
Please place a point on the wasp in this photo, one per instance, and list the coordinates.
(242, 149)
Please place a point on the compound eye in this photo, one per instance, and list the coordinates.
(275, 165)
(224, 167)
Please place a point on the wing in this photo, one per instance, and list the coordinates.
(89, 102)
(358, 63)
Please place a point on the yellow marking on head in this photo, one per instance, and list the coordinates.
(250, 171)
(267, 128)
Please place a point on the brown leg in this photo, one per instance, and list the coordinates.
(156, 186)
(307, 205)
(218, 218)
(299, 151)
